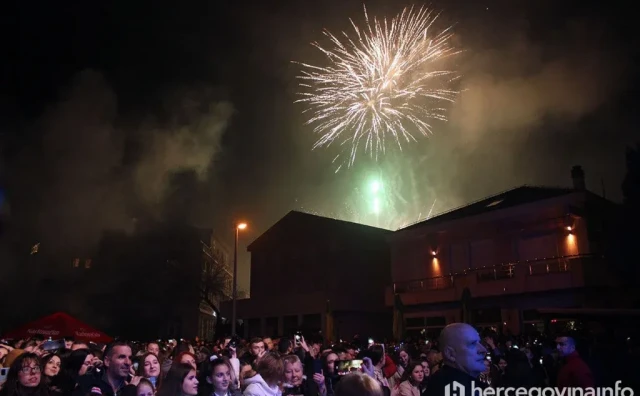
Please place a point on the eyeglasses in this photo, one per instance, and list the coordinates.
(28, 370)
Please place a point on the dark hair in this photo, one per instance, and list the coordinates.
(376, 353)
(172, 384)
(406, 376)
(283, 345)
(255, 340)
(12, 385)
(109, 350)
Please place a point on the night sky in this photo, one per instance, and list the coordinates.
(123, 109)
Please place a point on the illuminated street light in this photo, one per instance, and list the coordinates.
(239, 226)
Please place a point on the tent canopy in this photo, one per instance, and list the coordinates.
(57, 326)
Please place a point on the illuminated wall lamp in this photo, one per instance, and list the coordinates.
(434, 253)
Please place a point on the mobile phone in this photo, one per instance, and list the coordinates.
(489, 357)
(135, 366)
(540, 360)
(344, 367)
(317, 366)
(3, 374)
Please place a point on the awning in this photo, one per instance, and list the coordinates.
(58, 326)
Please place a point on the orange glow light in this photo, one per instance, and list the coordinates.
(242, 226)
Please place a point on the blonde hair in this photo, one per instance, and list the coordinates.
(358, 384)
(291, 359)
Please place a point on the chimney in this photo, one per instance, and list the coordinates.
(577, 175)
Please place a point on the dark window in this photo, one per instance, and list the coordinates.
(271, 328)
(436, 321)
(490, 315)
(290, 325)
(312, 323)
(414, 322)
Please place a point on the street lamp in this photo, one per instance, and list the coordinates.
(238, 227)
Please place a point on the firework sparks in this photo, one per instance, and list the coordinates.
(381, 82)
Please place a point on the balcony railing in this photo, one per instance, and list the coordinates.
(494, 273)
(439, 283)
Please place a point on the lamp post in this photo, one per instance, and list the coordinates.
(239, 226)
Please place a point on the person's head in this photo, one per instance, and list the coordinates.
(502, 364)
(462, 349)
(487, 366)
(246, 371)
(270, 368)
(414, 373)
(376, 353)
(68, 342)
(425, 368)
(145, 388)
(51, 364)
(284, 346)
(186, 358)
(154, 348)
(117, 360)
(150, 365)
(256, 346)
(79, 345)
(403, 358)
(528, 353)
(330, 360)
(77, 363)
(220, 375)
(268, 343)
(566, 345)
(358, 384)
(292, 370)
(25, 372)
(180, 380)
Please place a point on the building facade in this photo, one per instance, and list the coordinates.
(317, 274)
(498, 262)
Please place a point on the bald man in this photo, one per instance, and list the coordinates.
(463, 360)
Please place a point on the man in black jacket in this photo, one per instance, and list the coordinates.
(111, 379)
(463, 360)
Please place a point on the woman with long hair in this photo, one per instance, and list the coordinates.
(411, 380)
(150, 369)
(74, 366)
(220, 380)
(50, 369)
(180, 381)
(25, 377)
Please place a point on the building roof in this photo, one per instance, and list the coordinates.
(510, 198)
(297, 217)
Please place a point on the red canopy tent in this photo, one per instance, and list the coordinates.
(57, 326)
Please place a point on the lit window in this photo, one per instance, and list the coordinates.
(76, 262)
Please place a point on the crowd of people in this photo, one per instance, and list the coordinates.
(289, 366)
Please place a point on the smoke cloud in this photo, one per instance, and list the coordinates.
(522, 86)
(80, 179)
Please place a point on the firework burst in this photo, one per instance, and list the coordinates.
(382, 82)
